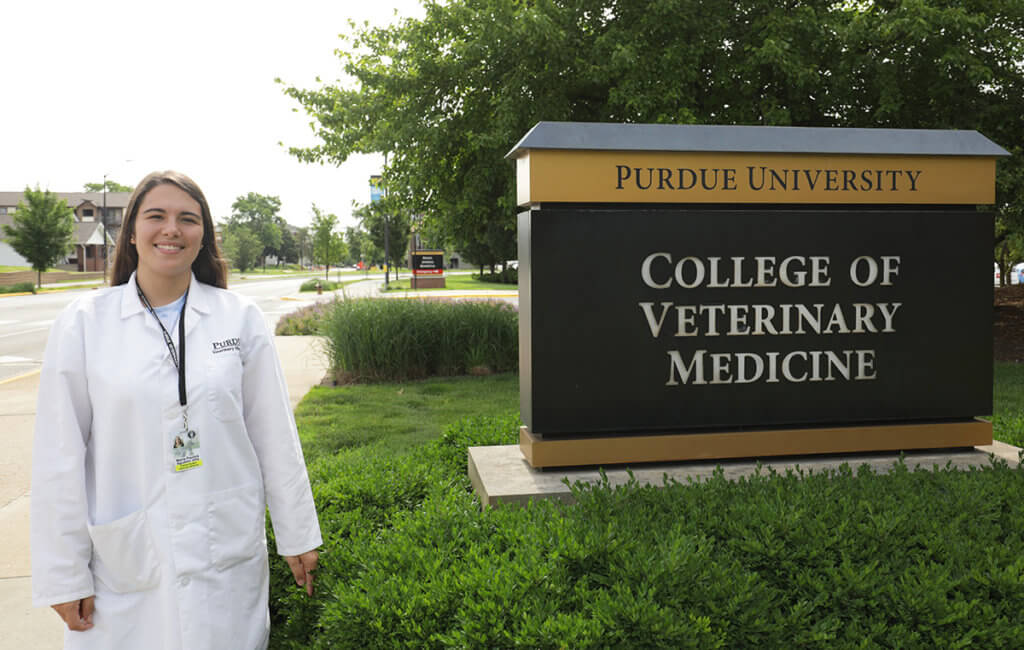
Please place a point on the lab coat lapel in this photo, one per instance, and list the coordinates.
(197, 305)
(132, 307)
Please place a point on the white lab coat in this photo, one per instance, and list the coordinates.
(175, 560)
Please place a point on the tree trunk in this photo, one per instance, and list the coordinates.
(39, 279)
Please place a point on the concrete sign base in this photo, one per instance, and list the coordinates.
(501, 474)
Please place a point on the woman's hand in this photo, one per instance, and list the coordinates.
(302, 567)
(78, 613)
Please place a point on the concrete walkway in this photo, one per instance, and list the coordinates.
(26, 627)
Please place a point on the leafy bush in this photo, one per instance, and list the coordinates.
(325, 285)
(507, 276)
(20, 287)
(379, 340)
(303, 321)
(847, 558)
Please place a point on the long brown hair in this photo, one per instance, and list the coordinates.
(208, 266)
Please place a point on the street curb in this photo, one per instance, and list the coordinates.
(26, 375)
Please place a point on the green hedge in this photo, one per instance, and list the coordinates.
(325, 285)
(913, 559)
(375, 339)
(507, 276)
(20, 287)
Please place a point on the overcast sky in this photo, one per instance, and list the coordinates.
(188, 85)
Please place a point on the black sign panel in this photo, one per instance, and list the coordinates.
(428, 263)
(677, 319)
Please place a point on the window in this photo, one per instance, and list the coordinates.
(87, 212)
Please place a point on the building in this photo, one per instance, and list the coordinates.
(88, 252)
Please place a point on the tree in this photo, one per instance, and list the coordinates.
(449, 95)
(328, 245)
(302, 244)
(354, 238)
(112, 186)
(42, 231)
(376, 217)
(259, 213)
(288, 251)
(242, 247)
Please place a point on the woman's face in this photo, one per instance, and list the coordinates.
(168, 233)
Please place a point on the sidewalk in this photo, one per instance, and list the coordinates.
(40, 628)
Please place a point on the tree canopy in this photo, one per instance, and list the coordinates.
(43, 229)
(328, 245)
(242, 247)
(112, 186)
(449, 95)
(386, 215)
(259, 213)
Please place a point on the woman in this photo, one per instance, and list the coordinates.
(140, 540)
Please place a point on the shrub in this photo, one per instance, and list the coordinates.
(303, 321)
(20, 287)
(325, 285)
(507, 276)
(383, 340)
(847, 558)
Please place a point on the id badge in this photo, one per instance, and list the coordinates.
(185, 450)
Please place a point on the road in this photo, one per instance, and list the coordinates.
(25, 320)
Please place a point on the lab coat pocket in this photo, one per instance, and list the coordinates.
(237, 525)
(224, 375)
(124, 556)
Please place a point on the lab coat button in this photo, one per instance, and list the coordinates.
(183, 581)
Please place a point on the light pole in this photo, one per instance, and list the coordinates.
(387, 250)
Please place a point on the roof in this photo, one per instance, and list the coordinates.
(754, 139)
(74, 199)
(89, 233)
(86, 232)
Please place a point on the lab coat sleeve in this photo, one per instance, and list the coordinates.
(61, 547)
(271, 427)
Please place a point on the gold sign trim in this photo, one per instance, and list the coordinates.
(564, 176)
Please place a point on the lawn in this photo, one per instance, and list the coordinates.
(398, 416)
(1008, 403)
(463, 282)
(402, 415)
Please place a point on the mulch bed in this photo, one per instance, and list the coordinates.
(1008, 323)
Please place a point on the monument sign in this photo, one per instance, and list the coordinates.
(427, 269)
(719, 292)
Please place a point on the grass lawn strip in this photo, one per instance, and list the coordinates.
(398, 415)
(454, 283)
(1008, 403)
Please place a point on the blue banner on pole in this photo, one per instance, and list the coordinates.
(376, 189)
